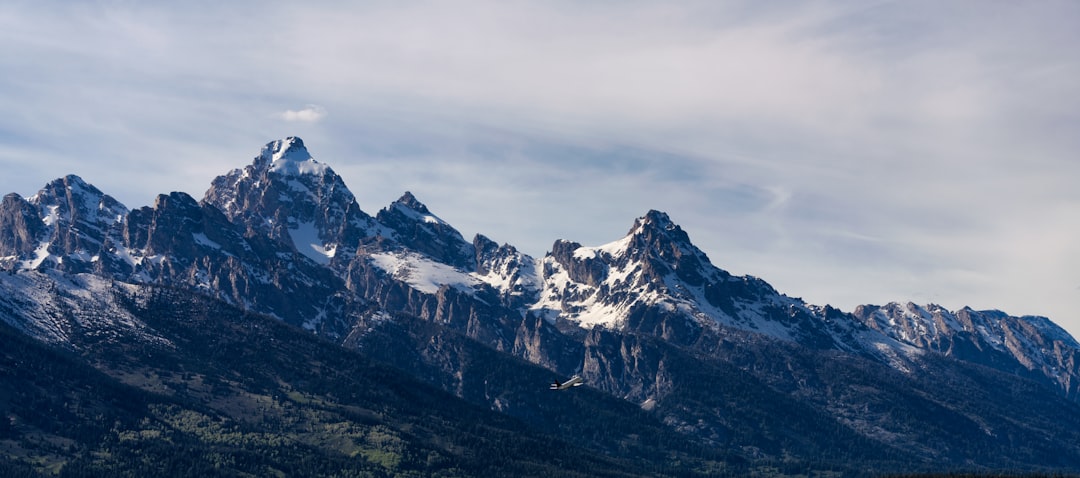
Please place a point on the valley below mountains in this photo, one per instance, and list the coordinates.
(275, 328)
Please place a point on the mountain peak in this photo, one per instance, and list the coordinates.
(653, 234)
(656, 224)
(59, 187)
(290, 197)
(72, 197)
(290, 157)
(652, 221)
(73, 181)
(410, 201)
(418, 228)
(291, 147)
(658, 218)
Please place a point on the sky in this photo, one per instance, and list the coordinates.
(847, 152)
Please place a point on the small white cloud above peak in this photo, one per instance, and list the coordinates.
(307, 114)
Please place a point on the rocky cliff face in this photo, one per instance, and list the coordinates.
(20, 229)
(1029, 346)
(179, 241)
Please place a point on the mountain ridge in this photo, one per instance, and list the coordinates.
(287, 195)
(284, 237)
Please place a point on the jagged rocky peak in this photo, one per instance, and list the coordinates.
(655, 247)
(417, 228)
(654, 242)
(288, 196)
(490, 256)
(71, 199)
(283, 163)
(290, 157)
(656, 219)
(409, 201)
(512, 272)
(657, 234)
(656, 281)
(584, 265)
(176, 200)
(65, 225)
(652, 234)
(284, 151)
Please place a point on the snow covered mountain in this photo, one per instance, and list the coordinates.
(416, 228)
(288, 196)
(288, 222)
(655, 281)
(67, 225)
(641, 317)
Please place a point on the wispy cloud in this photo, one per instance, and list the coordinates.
(307, 114)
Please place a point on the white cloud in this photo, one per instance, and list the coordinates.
(308, 114)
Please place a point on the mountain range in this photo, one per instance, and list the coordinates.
(275, 327)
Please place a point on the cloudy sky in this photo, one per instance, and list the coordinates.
(847, 152)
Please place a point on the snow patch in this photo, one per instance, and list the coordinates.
(415, 215)
(52, 217)
(423, 274)
(517, 276)
(41, 254)
(581, 303)
(313, 323)
(289, 157)
(287, 166)
(612, 249)
(202, 240)
(305, 237)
